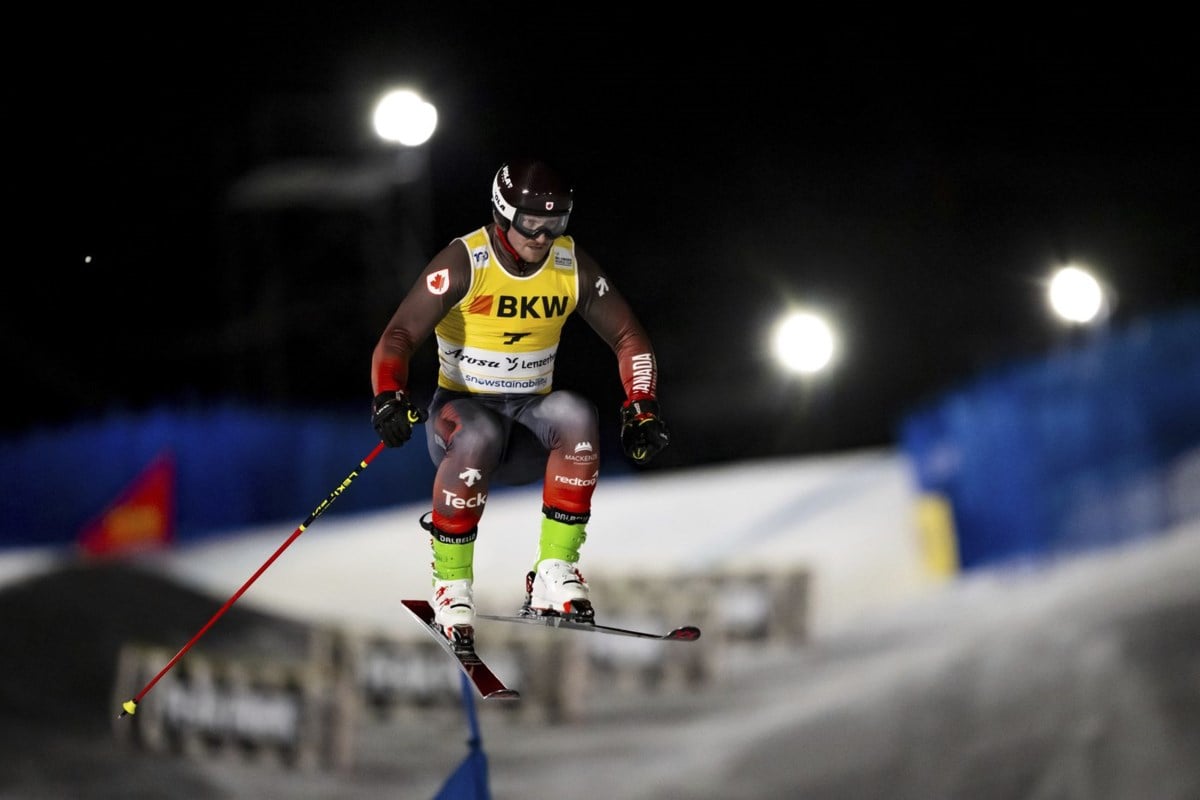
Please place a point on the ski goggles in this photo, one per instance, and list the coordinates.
(534, 225)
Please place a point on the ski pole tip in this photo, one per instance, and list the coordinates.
(128, 707)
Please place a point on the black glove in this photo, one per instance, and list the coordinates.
(393, 416)
(643, 433)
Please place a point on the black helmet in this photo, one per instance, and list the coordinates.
(531, 197)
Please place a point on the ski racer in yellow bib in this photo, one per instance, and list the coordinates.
(503, 335)
(496, 300)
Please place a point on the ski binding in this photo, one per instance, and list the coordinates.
(686, 633)
(486, 683)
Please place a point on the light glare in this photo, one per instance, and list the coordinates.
(1075, 295)
(804, 343)
(404, 116)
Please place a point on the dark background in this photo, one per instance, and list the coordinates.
(916, 179)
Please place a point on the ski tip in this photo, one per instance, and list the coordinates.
(688, 633)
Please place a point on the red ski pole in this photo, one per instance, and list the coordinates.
(130, 706)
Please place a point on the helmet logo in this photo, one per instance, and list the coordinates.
(504, 176)
(549, 205)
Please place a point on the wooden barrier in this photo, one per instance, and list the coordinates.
(265, 711)
(305, 713)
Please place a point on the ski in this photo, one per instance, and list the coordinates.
(686, 633)
(486, 683)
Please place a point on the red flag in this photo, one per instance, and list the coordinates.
(141, 518)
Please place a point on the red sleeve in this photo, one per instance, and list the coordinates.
(442, 284)
(610, 316)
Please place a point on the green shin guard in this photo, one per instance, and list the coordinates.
(560, 540)
(453, 553)
(453, 561)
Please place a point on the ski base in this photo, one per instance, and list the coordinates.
(486, 683)
(686, 633)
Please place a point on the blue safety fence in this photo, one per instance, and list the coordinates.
(234, 467)
(1077, 450)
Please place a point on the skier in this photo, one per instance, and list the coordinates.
(496, 300)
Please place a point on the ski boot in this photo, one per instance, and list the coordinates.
(453, 602)
(454, 612)
(557, 588)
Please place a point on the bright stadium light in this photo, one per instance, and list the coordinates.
(804, 342)
(1075, 295)
(403, 116)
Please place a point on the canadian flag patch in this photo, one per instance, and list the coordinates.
(438, 282)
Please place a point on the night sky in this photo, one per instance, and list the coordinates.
(915, 179)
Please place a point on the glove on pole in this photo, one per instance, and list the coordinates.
(393, 416)
(644, 434)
